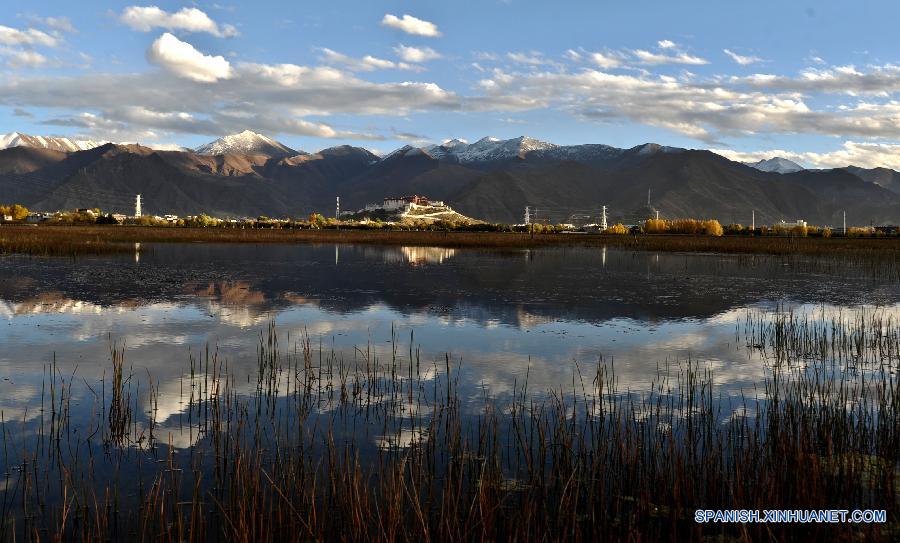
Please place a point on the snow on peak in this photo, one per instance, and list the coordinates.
(454, 143)
(66, 145)
(776, 164)
(246, 143)
(399, 152)
(487, 149)
(490, 149)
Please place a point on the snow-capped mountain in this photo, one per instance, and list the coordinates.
(246, 143)
(66, 145)
(487, 149)
(777, 165)
(653, 148)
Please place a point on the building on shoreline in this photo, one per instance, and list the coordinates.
(798, 222)
(404, 204)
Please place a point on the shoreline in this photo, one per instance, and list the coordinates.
(74, 240)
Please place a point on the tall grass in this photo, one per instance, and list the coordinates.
(314, 444)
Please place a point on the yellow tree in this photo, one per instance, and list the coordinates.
(18, 212)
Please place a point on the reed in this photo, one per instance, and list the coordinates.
(317, 444)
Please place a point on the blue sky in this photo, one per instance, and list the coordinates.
(815, 81)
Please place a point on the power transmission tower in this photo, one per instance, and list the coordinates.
(137, 207)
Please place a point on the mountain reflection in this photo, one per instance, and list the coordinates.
(248, 283)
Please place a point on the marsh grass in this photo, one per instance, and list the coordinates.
(314, 444)
(75, 240)
(59, 241)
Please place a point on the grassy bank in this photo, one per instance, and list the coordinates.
(284, 451)
(74, 240)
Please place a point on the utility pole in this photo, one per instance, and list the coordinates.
(603, 225)
(137, 207)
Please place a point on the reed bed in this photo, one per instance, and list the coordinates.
(69, 240)
(38, 241)
(315, 444)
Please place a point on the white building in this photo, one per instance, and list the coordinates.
(404, 204)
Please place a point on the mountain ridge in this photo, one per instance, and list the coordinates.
(491, 179)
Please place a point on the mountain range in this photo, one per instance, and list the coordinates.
(249, 174)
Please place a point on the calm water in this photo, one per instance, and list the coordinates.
(499, 315)
(502, 318)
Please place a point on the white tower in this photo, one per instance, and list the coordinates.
(753, 220)
(603, 225)
(337, 211)
(845, 223)
(527, 215)
(137, 207)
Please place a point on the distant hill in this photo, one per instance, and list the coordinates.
(884, 177)
(249, 174)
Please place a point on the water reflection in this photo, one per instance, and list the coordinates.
(502, 315)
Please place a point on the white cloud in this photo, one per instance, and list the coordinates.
(30, 36)
(147, 18)
(411, 25)
(881, 81)
(485, 55)
(863, 154)
(572, 55)
(416, 54)
(741, 59)
(268, 98)
(183, 60)
(21, 58)
(666, 44)
(646, 57)
(62, 24)
(606, 60)
(533, 58)
(367, 63)
(704, 109)
(295, 99)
